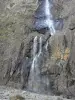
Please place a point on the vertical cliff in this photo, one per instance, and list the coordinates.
(16, 38)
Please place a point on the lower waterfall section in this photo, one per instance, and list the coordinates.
(37, 82)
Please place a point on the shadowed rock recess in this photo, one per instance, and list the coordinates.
(24, 50)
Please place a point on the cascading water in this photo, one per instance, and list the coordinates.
(49, 20)
(36, 83)
(34, 79)
(44, 20)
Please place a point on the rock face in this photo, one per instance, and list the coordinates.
(7, 93)
(15, 28)
(16, 39)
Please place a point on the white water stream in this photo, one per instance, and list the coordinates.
(34, 83)
(49, 20)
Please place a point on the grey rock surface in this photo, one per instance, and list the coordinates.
(16, 18)
(7, 92)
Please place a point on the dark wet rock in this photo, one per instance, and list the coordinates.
(41, 27)
(72, 26)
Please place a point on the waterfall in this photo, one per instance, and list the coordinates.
(49, 20)
(40, 45)
(45, 20)
(38, 83)
(47, 8)
(34, 77)
(35, 44)
(34, 52)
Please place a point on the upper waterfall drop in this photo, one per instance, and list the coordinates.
(44, 20)
(49, 22)
(47, 8)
